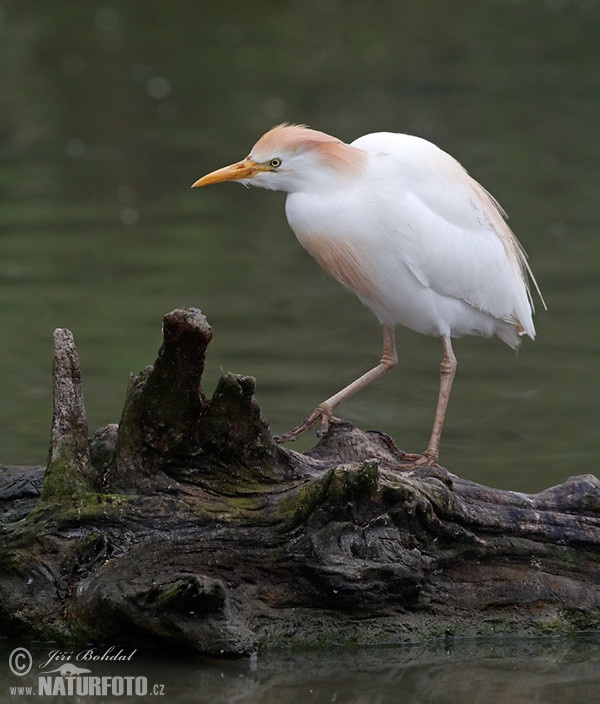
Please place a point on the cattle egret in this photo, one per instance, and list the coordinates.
(401, 223)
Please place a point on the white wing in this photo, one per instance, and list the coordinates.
(454, 238)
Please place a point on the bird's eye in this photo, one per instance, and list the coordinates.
(275, 163)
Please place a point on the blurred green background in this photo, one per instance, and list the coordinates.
(108, 112)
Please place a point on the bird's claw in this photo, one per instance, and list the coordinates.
(306, 425)
(416, 459)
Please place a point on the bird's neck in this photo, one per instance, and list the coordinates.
(326, 169)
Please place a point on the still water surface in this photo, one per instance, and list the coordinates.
(496, 671)
(108, 112)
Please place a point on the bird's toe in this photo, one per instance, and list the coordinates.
(416, 459)
(319, 413)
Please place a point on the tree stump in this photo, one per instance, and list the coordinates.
(185, 524)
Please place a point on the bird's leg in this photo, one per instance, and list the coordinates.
(324, 410)
(447, 372)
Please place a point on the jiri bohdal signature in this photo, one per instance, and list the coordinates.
(111, 654)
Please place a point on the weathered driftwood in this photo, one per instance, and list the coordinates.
(186, 524)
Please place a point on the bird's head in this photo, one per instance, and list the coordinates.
(292, 158)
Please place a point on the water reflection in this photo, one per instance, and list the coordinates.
(503, 671)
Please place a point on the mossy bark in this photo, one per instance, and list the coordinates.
(185, 524)
(69, 473)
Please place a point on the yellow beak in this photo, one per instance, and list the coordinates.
(234, 172)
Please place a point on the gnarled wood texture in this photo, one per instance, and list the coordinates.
(186, 524)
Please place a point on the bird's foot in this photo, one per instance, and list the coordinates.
(307, 424)
(415, 459)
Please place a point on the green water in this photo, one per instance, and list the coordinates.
(109, 112)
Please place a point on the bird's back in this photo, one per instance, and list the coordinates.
(452, 237)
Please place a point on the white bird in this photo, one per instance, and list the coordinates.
(402, 224)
